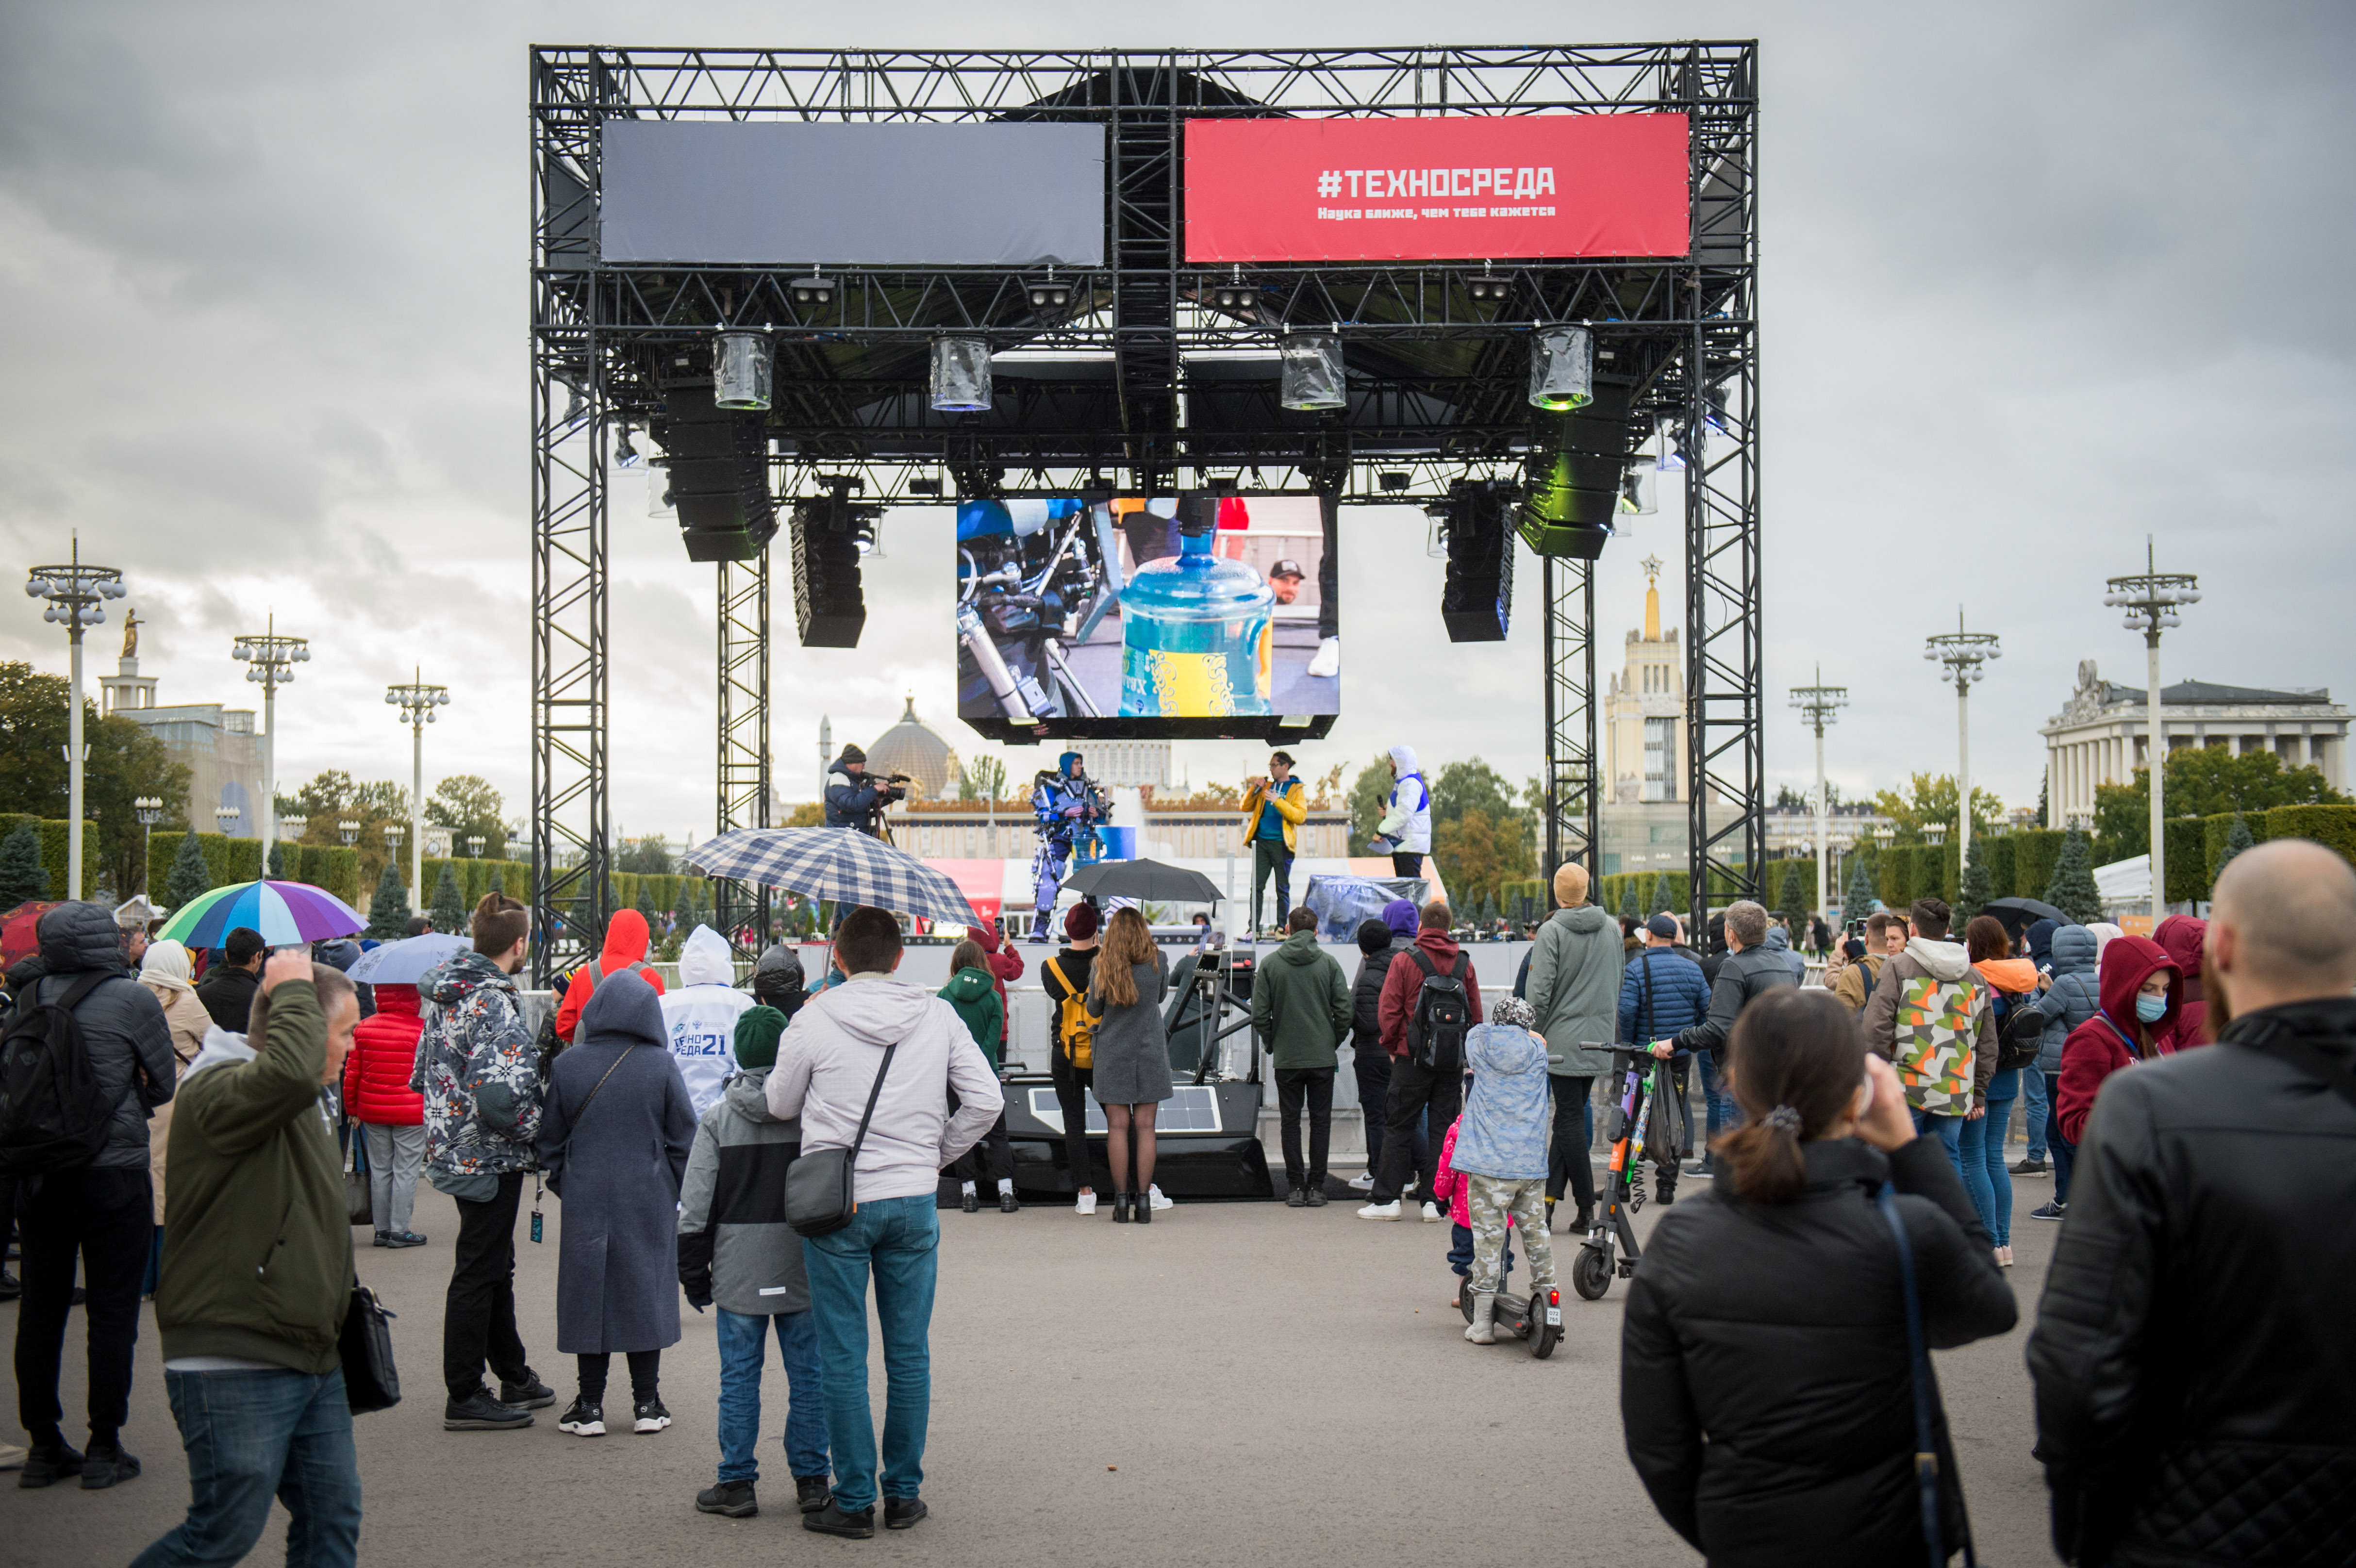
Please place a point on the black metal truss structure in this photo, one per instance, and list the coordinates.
(743, 761)
(1141, 381)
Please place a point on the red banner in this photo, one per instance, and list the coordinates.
(1436, 189)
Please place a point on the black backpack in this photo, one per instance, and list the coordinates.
(1442, 1014)
(2021, 1035)
(53, 1114)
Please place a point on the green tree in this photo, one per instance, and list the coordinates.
(683, 912)
(1475, 853)
(449, 907)
(2202, 781)
(1469, 786)
(981, 778)
(22, 877)
(1978, 885)
(2044, 810)
(498, 882)
(469, 808)
(190, 879)
(1663, 894)
(1857, 903)
(125, 762)
(648, 857)
(389, 908)
(333, 798)
(2072, 890)
(277, 870)
(1631, 907)
(2238, 838)
(1791, 898)
(1370, 795)
(1930, 802)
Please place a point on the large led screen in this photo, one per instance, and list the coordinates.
(1191, 614)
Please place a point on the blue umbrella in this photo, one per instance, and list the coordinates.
(833, 863)
(404, 963)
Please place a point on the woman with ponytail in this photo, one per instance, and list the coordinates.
(1765, 1385)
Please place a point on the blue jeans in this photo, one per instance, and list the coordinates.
(1949, 1131)
(2065, 1153)
(743, 1340)
(1722, 1112)
(1980, 1145)
(897, 1240)
(2032, 1089)
(252, 1436)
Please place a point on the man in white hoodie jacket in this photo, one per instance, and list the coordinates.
(700, 1016)
(827, 1066)
(1405, 826)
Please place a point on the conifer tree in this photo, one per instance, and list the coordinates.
(1977, 887)
(277, 870)
(389, 908)
(449, 906)
(2072, 890)
(2238, 838)
(1630, 905)
(190, 877)
(1857, 903)
(1791, 900)
(22, 877)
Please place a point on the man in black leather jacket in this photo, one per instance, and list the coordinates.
(2192, 1356)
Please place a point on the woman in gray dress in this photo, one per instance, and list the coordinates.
(1132, 1059)
(614, 1133)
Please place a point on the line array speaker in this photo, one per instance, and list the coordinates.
(1477, 602)
(829, 606)
(719, 473)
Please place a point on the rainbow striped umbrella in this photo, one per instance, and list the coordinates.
(284, 912)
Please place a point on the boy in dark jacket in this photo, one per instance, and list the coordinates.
(251, 1354)
(1378, 943)
(1300, 1006)
(736, 1252)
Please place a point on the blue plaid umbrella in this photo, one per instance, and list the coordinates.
(836, 864)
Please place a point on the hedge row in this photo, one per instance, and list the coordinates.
(53, 849)
(2195, 844)
(227, 859)
(1722, 890)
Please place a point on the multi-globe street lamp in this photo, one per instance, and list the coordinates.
(1817, 705)
(270, 660)
(149, 809)
(1962, 653)
(2150, 597)
(76, 593)
(417, 700)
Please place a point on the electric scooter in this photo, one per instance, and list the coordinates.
(1537, 1318)
(1592, 1271)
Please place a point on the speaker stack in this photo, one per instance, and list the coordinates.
(829, 606)
(1478, 601)
(719, 473)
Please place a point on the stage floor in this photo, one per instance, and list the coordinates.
(1237, 1384)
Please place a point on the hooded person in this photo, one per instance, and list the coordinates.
(2142, 998)
(1779, 941)
(624, 948)
(618, 1173)
(702, 1015)
(1573, 990)
(1944, 1045)
(1405, 824)
(164, 970)
(2039, 936)
(1417, 1090)
(2185, 940)
(1370, 1064)
(1005, 968)
(1501, 1149)
(2071, 1000)
(974, 992)
(738, 1256)
(778, 981)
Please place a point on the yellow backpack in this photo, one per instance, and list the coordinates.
(1074, 1027)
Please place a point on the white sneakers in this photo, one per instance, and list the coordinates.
(1088, 1203)
(1153, 1195)
(1328, 660)
(1389, 1210)
(1433, 1212)
(1362, 1182)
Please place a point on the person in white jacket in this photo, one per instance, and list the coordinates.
(700, 1016)
(1405, 826)
(903, 1046)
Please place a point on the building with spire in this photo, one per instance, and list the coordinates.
(216, 745)
(1643, 744)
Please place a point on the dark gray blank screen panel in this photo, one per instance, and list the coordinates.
(782, 193)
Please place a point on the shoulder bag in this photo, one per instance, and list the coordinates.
(572, 1122)
(364, 1346)
(1918, 1358)
(820, 1193)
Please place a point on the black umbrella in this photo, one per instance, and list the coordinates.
(2018, 912)
(1143, 879)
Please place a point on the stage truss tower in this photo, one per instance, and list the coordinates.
(1133, 384)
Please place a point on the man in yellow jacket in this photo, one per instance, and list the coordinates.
(1273, 807)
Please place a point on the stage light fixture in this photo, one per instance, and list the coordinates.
(1487, 287)
(1395, 480)
(741, 371)
(960, 374)
(1636, 493)
(624, 455)
(811, 290)
(1050, 294)
(1311, 382)
(925, 486)
(1562, 369)
(660, 500)
(1671, 459)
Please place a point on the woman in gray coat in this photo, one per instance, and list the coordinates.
(614, 1135)
(1132, 1075)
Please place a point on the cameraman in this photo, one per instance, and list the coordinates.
(857, 802)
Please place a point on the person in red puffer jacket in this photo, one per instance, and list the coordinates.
(392, 1115)
(2142, 996)
(2185, 940)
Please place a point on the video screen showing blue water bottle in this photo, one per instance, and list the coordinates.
(1190, 614)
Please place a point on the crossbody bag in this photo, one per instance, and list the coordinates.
(1926, 1395)
(820, 1197)
(572, 1122)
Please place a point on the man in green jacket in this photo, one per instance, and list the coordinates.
(257, 1275)
(1300, 1006)
(1574, 989)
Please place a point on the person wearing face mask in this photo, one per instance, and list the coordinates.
(2141, 991)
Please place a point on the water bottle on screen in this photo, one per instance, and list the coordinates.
(1197, 633)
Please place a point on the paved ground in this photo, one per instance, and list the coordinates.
(1238, 1383)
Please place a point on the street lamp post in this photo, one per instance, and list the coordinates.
(417, 701)
(1962, 653)
(349, 831)
(2150, 597)
(150, 811)
(75, 592)
(270, 660)
(474, 846)
(1818, 704)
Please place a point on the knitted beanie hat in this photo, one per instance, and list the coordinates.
(757, 1031)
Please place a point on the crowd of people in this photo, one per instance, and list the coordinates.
(2198, 1088)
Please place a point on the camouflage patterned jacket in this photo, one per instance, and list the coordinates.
(479, 1071)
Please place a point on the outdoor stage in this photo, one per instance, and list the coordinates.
(1237, 1384)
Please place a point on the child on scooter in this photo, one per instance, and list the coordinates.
(1499, 1150)
(1451, 1189)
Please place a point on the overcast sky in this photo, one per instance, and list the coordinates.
(2038, 279)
